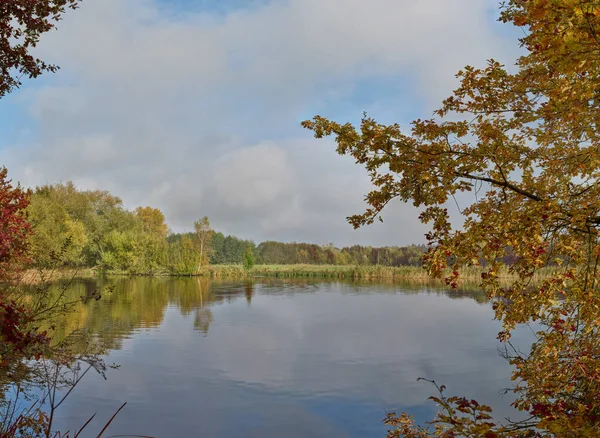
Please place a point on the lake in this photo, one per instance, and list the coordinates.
(272, 358)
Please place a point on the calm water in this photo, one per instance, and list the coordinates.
(280, 358)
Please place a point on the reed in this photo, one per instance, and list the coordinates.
(344, 272)
(356, 272)
(37, 276)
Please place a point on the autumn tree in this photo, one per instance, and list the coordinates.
(15, 336)
(22, 22)
(14, 227)
(528, 141)
(153, 221)
(204, 235)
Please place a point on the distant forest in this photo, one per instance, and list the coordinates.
(91, 229)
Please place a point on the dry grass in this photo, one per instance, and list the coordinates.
(37, 276)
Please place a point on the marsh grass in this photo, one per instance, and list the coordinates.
(471, 275)
(39, 276)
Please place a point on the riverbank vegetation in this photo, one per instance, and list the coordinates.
(93, 232)
(354, 272)
(92, 229)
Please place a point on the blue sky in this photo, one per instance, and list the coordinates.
(194, 107)
(223, 7)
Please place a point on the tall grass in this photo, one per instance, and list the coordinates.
(37, 276)
(350, 272)
(339, 272)
(316, 271)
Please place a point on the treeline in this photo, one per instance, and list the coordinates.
(92, 229)
(297, 253)
(230, 250)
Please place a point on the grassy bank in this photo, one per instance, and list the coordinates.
(37, 276)
(339, 272)
(314, 271)
(347, 272)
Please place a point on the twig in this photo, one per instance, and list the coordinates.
(111, 419)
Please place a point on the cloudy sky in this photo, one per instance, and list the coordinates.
(195, 108)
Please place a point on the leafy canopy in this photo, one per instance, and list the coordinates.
(21, 24)
(153, 221)
(248, 258)
(528, 144)
(15, 337)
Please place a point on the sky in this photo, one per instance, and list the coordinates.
(194, 106)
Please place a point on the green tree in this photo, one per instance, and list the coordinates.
(204, 235)
(53, 226)
(151, 254)
(91, 220)
(183, 256)
(218, 255)
(530, 137)
(248, 258)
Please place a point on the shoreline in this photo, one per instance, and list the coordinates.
(36, 276)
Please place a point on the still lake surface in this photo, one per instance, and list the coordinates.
(272, 358)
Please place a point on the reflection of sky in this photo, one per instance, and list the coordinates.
(330, 361)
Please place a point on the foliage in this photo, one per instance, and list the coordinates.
(14, 228)
(468, 418)
(53, 226)
(21, 24)
(153, 221)
(248, 259)
(271, 252)
(103, 234)
(45, 362)
(528, 142)
(17, 337)
(204, 235)
(184, 257)
(228, 249)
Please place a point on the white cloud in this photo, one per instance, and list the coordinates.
(198, 114)
(257, 177)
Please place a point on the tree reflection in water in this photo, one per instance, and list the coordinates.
(140, 302)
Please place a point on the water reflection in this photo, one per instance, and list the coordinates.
(275, 357)
(129, 304)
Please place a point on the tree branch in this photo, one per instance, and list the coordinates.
(504, 184)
